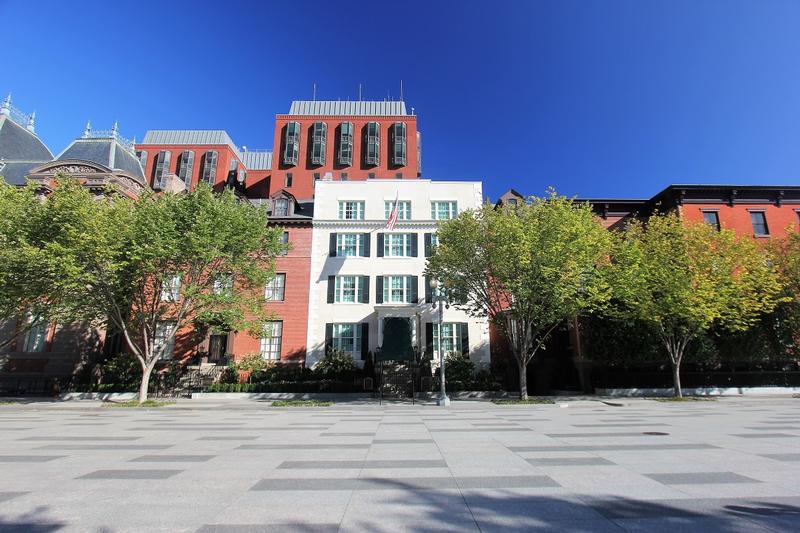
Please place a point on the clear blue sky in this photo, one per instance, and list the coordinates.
(597, 98)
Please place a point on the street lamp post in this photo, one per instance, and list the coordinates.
(438, 297)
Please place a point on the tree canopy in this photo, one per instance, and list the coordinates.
(527, 267)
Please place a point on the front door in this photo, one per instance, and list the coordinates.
(216, 348)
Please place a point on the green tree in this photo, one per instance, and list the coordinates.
(528, 268)
(156, 266)
(786, 255)
(683, 279)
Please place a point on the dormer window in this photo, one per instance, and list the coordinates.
(319, 138)
(291, 143)
(399, 144)
(372, 140)
(346, 144)
(281, 207)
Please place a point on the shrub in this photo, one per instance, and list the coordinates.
(336, 363)
(459, 367)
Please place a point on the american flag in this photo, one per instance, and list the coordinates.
(391, 222)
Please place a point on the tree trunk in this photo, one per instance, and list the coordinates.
(146, 372)
(676, 379)
(523, 381)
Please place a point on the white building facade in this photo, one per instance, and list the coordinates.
(365, 276)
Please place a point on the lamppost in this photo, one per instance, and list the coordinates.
(438, 296)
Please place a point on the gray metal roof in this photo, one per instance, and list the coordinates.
(107, 152)
(258, 160)
(189, 137)
(337, 108)
(19, 144)
(14, 173)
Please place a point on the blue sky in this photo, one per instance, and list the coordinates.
(599, 99)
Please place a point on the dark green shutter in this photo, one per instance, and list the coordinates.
(429, 339)
(364, 283)
(414, 244)
(365, 248)
(332, 247)
(331, 288)
(380, 245)
(427, 245)
(414, 289)
(464, 331)
(379, 289)
(428, 291)
(364, 340)
(328, 337)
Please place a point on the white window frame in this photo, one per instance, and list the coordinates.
(275, 291)
(171, 289)
(403, 209)
(163, 330)
(343, 247)
(280, 207)
(342, 288)
(270, 345)
(390, 244)
(452, 209)
(341, 333)
(351, 209)
(35, 338)
(452, 337)
(404, 290)
(223, 284)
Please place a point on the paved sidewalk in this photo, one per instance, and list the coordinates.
(728, 465)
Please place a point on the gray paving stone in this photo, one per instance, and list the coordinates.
(411, 463)
(296, 527)
(763, 435)
(130, 474)
(570, 461)
(29, 458)
(346, 434)
(172, 459)
(418, 483)
(593, 435)
(700, 478)
(475, 430)
(104, 447)
(332, 446)
(500, 482)
(786, 457)
(80, 438)
(611, 447)
(619, 425)
(402, 441)
(229, 437)
(5, 496)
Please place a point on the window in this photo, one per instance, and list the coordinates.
(171, 289)
(350, 245)
(319, 137)
(398, 245)
(759, 219)
(431, 242)
(343, 176)
(346, 337)
(163, 340)
(285, 241)
(161, 169)
(443, 210)
(281, 207)
(288, 181)
(370, 175)
(346, 143)
(36, 336)
(350, 210)
(372, 140)
(291, 143)
(210, 160)
(399, 175)
(185, 167)
(712, 219)
(271, 341)
(399, 144)
(399, 289)
(316, 176)
(511, 201)
(454, 337)
(349, 289)
(141, 154)
(223, 285)
(403, 209)
(276, 288)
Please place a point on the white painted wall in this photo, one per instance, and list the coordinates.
(374, 193)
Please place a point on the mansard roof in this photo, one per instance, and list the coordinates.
(20, 150)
